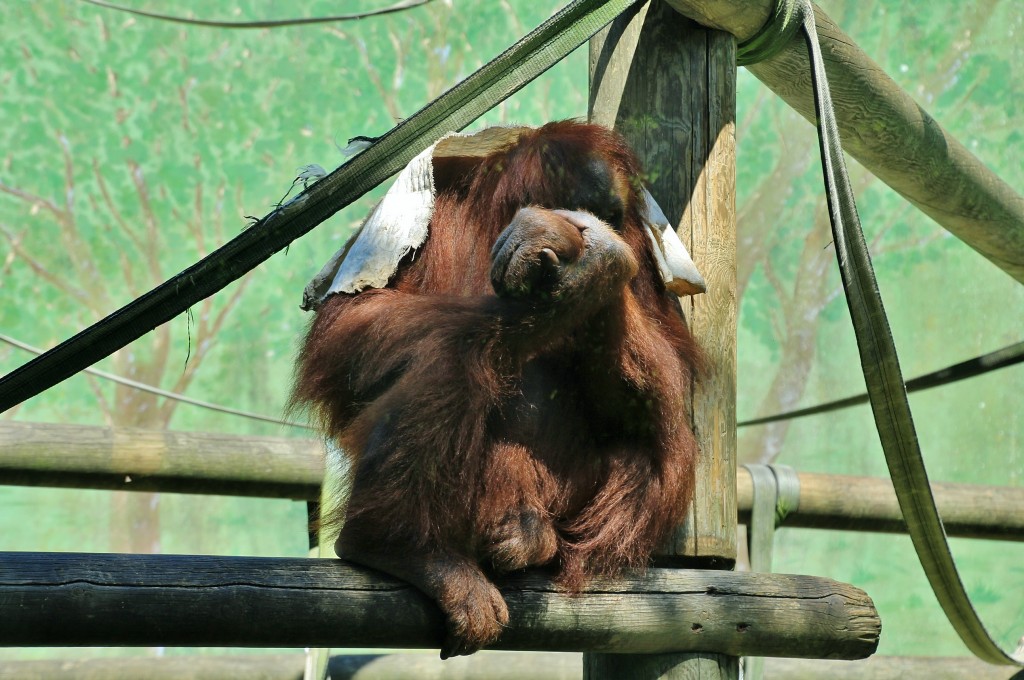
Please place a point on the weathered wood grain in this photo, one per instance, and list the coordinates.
(487, 665)
(81, 456)
(668, 86)
(681, 125)
(129, 459)
(75, 599)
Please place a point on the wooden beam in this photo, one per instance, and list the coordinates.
(80, 456)
(886, 131)
(890, 668)
(869, 504)
(128, 459)
(173, 667)
(89, 457)
(75, 599)
(488, 665)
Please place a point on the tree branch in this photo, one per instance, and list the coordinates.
(114, 212)
(386, 95)
(33, 199)
(42, 272)
(205, 341)
(101, 400)
(151, 244)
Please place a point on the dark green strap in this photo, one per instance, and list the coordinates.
(776, 494)
(882, 373)
(776, 491)
(761, 529)
(454, 110)
(760, 541)
(784, 22)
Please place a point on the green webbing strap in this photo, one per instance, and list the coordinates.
(760, 542)
(775, 35)
(787, 491)
(776, 494)
(761, 530)
(881, 366)
(454, 110)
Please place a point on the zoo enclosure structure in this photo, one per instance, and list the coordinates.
(73, 456)
(91, 457)
(694, 104)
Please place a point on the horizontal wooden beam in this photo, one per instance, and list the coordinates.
(76, 599)
(889, 668)
(255, 666)
(888, 132)
(869, 504)
(81, 456)
(129, 459)
(489, 665)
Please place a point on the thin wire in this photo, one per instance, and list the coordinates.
(163, 393)
(269, 23)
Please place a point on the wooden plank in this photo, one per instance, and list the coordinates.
(169, 600)
(487, 664)
(130, 459)
(886, 131)
(407, 666)
(889, 668)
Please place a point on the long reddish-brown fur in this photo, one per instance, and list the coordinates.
(535, 425)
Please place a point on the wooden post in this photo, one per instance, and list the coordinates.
(668, 85)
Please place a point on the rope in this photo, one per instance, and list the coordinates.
(880, 363)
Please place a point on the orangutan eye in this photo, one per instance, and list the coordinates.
(614, 213)
(596, 193)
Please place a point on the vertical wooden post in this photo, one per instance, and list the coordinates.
(669, 86)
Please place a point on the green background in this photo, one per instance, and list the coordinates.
(130, 147)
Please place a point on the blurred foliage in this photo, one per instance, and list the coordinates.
(131, 147)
